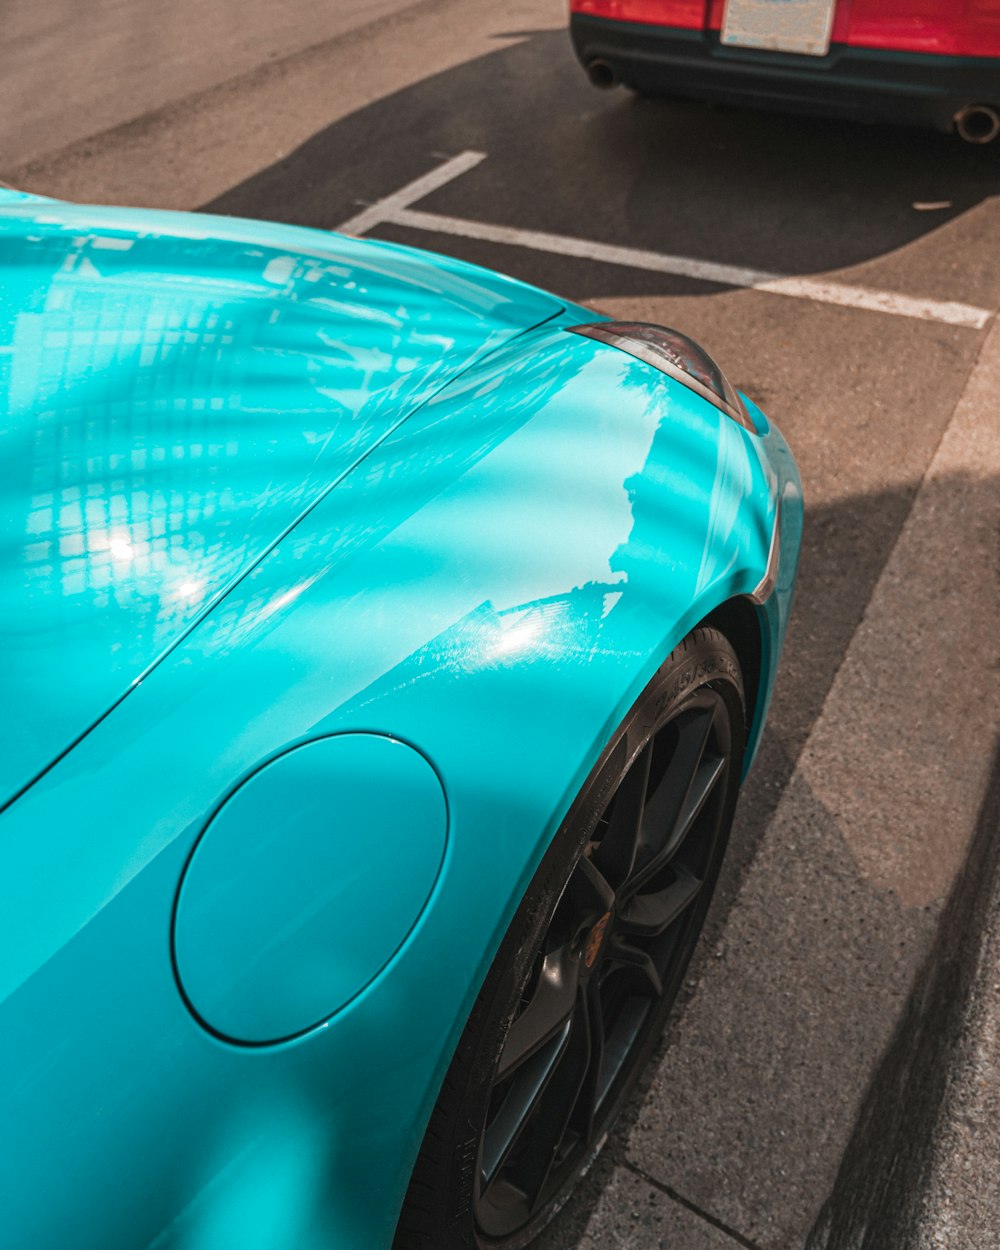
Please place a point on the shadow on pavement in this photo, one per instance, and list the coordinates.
(770, 191)
(876, 1201)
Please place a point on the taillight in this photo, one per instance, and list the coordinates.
(689, 14)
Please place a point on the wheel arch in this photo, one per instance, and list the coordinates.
(739, 620)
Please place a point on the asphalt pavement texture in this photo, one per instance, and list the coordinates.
(844, 894)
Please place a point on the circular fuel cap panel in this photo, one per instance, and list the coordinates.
(305, 883)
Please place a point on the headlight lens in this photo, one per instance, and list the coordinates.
(673, 353)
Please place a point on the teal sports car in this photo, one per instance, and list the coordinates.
(384, 643)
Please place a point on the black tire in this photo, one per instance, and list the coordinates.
(590, 966)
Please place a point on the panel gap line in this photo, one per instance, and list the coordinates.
(733, 1233)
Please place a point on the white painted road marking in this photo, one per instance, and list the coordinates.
(389, 208)
(396, 210)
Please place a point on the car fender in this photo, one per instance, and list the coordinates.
(494, 585)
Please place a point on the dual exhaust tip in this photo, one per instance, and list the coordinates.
(975, 123)
(601, 74)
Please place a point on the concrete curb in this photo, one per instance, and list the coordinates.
(922, 1168)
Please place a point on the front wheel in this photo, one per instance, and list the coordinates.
(589, 969)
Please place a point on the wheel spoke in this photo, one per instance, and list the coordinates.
(616, 854)
(664, 805)
(539, 1147)
(710, 769)
(590, 1092)
(546, 1014)
(647, 915)
(618, 1046)
(520, 1101)
(588, 895)
(628, 956)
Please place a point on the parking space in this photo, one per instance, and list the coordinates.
(847, 279)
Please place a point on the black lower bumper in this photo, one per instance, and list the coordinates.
(865, 83)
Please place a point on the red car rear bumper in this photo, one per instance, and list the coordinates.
(869, 83)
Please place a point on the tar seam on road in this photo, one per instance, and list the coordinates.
(395, 209)
(693, 1207)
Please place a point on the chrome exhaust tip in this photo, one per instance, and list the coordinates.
(601, 75)
(978, 123)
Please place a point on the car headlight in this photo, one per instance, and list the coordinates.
(675, 354)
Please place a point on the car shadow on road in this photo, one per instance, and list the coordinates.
(775, 192)
(877, 1202)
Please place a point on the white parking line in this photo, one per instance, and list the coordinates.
(395, 210)
(389, 208)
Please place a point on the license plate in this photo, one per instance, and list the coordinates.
(801, 26)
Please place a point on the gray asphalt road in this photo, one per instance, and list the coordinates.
(68, 70)
(873, 769)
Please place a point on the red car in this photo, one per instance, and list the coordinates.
(933, 62)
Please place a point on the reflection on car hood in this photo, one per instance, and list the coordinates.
(175, 391)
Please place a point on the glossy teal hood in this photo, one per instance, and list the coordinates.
(175, 393)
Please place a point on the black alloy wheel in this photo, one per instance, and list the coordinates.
(584, 981)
